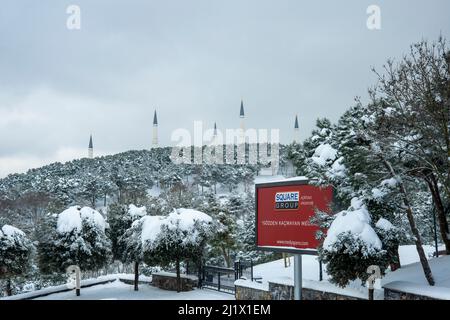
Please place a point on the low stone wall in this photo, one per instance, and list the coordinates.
(278, 291)
(168, 281)
(246, 293)
(310, 294)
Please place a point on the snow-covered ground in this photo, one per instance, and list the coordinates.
(275, 271)
(118, 290)
(410, 278)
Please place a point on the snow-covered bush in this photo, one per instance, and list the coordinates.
(352, 245)
(78, 238)
(15, 251)
(120, 219)
(129, 243)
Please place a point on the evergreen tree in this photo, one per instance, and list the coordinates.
(77, 238)
(180, 236)
(15, 253)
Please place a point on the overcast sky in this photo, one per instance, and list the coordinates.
(191, 60)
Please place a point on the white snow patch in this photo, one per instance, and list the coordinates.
(337, 168)
(72, 219)
(11, 231)
(151, 227)
(136, 212)
(384, 224)
(252, 284)
(377, 193)
(155, 191)
(357, 222)
(323, 153)
(186, 218)
(391, 183)
(94, 217)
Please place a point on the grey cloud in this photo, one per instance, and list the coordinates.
(192, 60)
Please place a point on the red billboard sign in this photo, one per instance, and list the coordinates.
(283, 215)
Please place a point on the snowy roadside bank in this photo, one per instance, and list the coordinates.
(409, 278)
(84, 284)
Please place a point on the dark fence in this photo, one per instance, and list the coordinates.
(218, 278)
(244, 270)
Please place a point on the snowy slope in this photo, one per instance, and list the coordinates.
(411, 279)
(276, 272)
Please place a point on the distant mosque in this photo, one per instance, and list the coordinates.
(286, 169)
(91, 149)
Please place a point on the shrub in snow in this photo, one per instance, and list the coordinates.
(223, 243)
(351, 246)
(120, 219)
(15, 250)
(129, 244)
(181, 235)
(78, 238)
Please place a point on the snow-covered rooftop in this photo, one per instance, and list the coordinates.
(276, 179)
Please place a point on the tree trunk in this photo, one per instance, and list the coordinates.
(136, 276)
(178, 275)
(440, 210)
(412, 224)
(397, 264)
(199, 274)
(8, 288)
(226, 256)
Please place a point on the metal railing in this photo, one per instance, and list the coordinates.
(222, 279)
(218, 278)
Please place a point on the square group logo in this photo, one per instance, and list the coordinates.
(287, 200)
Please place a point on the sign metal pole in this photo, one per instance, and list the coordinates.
(297, 277)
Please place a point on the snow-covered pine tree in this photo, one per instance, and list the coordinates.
(416, 117)
(384, 149)
(224, 240)
(352, 245)
(181, 235)
(127, 235)
(77, 238)
(15, 254)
